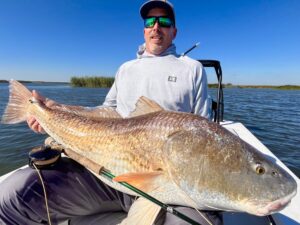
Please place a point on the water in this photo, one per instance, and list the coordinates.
(272, 115)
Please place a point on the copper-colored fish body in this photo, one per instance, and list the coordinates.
(135, 144)
(179, 158)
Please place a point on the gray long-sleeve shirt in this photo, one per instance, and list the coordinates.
(174, 82)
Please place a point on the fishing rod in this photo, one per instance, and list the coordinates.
(100, 170)
(164, 206)
(190, 49)
(47, 155)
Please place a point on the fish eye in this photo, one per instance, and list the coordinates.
(260, 170)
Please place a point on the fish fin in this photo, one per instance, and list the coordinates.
(191, 202)
(143, 212)
(16, 109)
(96, 113)
(145, 105)
(107, 112)
(143, 181)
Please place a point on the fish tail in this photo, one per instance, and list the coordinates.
(16, 109)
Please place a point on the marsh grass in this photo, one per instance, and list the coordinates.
(93, 82)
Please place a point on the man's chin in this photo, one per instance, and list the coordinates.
(157, 49)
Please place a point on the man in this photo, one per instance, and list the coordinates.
(176, 83)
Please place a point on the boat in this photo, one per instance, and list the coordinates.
(288, 216)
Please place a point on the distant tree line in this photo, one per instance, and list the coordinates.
(216, 85)
(93, 82)
(283, 87)
(106, 82)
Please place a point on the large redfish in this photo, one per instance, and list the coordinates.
(179, 158)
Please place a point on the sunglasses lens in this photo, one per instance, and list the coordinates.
(162, 21)
(165, 22)
(149, 22)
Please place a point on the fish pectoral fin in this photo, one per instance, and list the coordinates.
(144, 181)
(143, 212)
(145, 105)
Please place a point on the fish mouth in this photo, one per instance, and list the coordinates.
(275, 206)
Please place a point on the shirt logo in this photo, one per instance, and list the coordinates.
(172, 79)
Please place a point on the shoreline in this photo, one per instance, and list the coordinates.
(277, 87)
(35, 82)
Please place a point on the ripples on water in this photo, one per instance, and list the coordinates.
(272, 115)
(274, 118)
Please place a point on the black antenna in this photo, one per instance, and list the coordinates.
(190, 49)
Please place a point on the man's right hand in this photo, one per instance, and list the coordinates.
(34, 125)
(31, 121)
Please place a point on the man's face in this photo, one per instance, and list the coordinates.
(158, 38)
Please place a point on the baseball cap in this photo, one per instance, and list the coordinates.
(147, 6)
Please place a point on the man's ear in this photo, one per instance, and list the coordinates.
(174, 32)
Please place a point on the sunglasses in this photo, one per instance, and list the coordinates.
(162, 21)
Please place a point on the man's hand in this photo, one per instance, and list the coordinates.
(31, 121)
(34, 125)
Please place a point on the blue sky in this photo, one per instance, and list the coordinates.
(257, 41)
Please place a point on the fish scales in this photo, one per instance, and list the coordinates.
(179, 158)
(137, 141)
